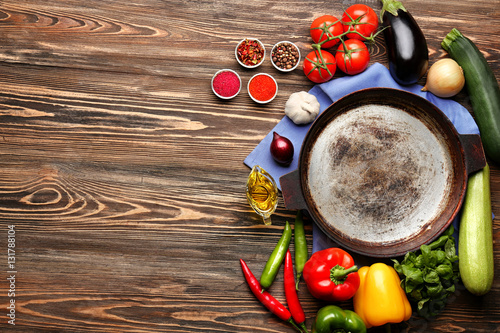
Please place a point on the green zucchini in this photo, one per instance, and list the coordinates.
(482, 87)
(475, 237)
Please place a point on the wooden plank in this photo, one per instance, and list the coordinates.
(123, 173)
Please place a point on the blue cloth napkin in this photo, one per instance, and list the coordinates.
(377, 75)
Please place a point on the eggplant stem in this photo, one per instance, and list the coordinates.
(391, 6)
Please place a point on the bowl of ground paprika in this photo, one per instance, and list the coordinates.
(262, 88)
(226, 84)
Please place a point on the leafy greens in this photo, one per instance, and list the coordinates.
(428, 276)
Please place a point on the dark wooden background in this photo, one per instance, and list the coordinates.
(123, 174)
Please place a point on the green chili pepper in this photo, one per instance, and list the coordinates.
(300, 246)
(274, 262)
(331, 318)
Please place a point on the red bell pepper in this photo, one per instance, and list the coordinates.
(331, 275)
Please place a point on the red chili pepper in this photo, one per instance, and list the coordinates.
(331, 275)
(250, 52)
(292, 298)
(271, 303)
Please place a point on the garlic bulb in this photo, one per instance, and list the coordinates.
(302, 107)
(445, 78)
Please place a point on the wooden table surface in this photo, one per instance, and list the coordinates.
(122, 175)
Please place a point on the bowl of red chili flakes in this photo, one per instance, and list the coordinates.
(250, 52)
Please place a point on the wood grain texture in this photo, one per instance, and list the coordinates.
(123, 173)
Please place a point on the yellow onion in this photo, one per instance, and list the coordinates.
(445, 78)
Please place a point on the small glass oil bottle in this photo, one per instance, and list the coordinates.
(262, 193)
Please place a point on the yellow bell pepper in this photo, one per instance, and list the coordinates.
(380, 298)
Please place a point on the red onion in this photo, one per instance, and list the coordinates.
(281, 149)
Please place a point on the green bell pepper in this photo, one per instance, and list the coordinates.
(331, 318)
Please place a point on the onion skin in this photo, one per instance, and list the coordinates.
(281, 149)
(445, 78)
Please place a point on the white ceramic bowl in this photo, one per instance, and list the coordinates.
(284, 69)
(225, 96)
(238, 59)
(258, 100)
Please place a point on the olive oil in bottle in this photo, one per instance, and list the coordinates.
(262, 193)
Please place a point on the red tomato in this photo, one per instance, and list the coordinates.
(354, 58)
(324, 27)
(316, 70)
(360, 18)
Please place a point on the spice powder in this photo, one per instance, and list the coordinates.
(262, 87)
(226, 84)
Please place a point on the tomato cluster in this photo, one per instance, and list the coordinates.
(359, 23)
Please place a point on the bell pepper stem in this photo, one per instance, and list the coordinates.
(338, 274)
(387, 328)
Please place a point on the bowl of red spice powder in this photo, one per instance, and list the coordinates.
(262, 88)
(226, 84)
(250, 52)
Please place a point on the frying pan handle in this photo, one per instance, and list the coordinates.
(292, 191)
(475, 159)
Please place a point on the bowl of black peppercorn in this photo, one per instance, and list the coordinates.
(285, 56)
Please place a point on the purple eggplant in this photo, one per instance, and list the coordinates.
(406, 45)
